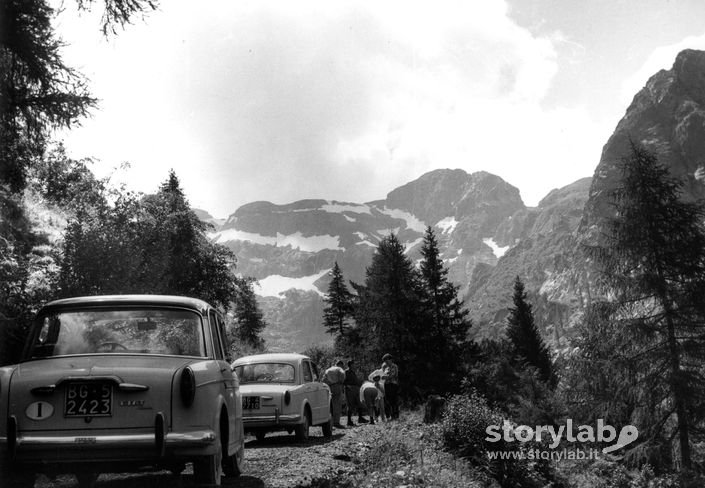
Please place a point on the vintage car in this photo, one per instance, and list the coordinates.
(120, 383)
(283, 392)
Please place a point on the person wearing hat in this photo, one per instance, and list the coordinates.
(334, 377)
(372, 396)
(391, 385)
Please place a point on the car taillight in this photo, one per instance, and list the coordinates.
(287, 398)
(188, 386)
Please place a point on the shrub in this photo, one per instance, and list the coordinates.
(464, 431)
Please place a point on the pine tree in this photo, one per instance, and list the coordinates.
(154, 244)
(525, 337)
(249, 320)
(449, 316)
(339, 309)
(450, 324)
(391, 317)
(653, 263)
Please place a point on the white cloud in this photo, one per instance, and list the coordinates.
(279, 100)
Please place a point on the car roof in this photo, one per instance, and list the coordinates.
(270, 357)
(122, 300)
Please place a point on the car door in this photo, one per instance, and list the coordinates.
(228, 378)
(317, 395)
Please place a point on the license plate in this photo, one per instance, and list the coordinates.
(250, 403)
(88, 400)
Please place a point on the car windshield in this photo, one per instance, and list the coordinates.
(126, 331)
(265, 373)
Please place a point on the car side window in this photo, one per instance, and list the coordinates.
(308, 375)
(314, 370)
(217, 343)
(223, 337)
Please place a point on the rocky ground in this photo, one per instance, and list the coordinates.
(277, 462)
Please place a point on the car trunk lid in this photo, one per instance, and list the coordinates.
(93, 392)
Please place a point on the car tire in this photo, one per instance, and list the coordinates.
(301, 430)
(208, 470)
(328, 428)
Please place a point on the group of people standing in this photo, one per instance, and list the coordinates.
(377, 396)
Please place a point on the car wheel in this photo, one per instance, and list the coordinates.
(301, 430)
(232, 465)
(208, 470)
(328, 428)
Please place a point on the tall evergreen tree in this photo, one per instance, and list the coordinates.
(653, 263)
(248, 316)
(151, 245)
(391, 317)
(449, 316)
(339, 304)
(450, 322)
(525, 337)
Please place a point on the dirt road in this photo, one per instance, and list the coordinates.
(276, 462)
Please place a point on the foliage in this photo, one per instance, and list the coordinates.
(653, 265)
(38, 94)
(154, 244)
(526, 340)
(322, 356)
(514, 388)
(339, 304)
(464, 432)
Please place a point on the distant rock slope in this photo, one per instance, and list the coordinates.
(293, 246)
(486, 233)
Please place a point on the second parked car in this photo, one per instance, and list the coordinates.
(282, 392)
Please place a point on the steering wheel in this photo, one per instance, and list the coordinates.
(265, 377)
(111, 346)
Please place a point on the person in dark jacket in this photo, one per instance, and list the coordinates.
(352, 394)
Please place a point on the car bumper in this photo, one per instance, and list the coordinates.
(254, 421)
(146, 447)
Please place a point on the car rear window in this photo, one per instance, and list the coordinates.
(265, 373)
(123, 331)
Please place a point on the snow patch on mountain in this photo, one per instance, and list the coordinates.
(276, 285)
(349, 219)
(408, 246)
(447, 225)
(412, 222)
(296, 240)
(366, 243)
(497, 250)
(335, 207)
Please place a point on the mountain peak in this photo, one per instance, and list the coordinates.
(667, 116)
(453, 192)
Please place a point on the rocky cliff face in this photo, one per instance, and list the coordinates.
(668, 117)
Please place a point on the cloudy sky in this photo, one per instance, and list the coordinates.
(346, 100)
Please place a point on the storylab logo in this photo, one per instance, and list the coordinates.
(603, 433)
